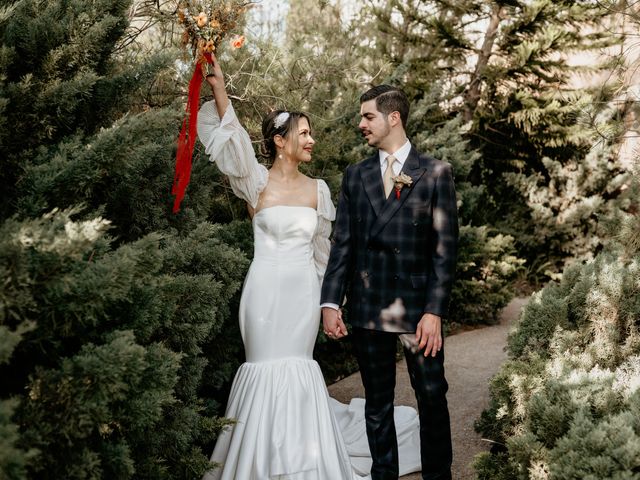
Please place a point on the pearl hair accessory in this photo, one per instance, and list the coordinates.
(280, 119)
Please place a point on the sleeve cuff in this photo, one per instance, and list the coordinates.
(330, 305)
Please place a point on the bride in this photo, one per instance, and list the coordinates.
(286, 425)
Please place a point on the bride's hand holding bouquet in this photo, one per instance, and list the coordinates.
(215, 79)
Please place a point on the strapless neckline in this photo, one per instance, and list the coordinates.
(282, 206)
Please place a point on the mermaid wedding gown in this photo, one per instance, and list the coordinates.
(287, 427)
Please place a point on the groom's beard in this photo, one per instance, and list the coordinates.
(376, 140)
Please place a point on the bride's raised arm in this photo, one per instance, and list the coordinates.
(228, 144)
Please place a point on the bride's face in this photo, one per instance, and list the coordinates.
(299, 142)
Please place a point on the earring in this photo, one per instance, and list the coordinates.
(279, 156)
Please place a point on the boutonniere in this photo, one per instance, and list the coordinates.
(401, 181)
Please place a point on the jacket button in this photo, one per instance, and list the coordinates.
(396, 277)
(415, 223)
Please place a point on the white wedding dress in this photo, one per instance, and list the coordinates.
(286, 425)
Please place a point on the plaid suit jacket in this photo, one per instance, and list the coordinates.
(393, 258)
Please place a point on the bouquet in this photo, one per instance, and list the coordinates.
(206, 24)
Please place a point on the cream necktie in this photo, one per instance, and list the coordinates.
(386, 177)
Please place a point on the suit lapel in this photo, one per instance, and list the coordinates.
(390, 206)
(372, 180)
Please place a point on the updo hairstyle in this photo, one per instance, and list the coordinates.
(269, 130)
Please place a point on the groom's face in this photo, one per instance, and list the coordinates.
(374, 124)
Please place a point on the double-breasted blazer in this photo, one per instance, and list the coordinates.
(393, 258)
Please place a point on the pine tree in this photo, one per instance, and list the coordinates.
(508, 71)
(487, 261)
(566, 404)
(13, 459)
(116, 325)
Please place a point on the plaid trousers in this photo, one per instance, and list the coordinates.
(376, 354)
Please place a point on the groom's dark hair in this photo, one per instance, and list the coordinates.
(388, 99)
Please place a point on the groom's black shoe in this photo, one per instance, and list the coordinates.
(443, 476)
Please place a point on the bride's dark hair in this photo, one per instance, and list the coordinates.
(269, 130)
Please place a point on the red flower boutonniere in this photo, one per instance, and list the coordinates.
(401, 181)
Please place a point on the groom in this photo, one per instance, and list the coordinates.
(393, 256)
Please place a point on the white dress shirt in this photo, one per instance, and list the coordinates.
(401, 156)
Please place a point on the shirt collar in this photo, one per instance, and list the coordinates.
(401, 154)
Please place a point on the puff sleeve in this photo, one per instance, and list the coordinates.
(228, 145)
(326, 214)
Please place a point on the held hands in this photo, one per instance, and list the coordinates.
(429, 334)
(332, 322)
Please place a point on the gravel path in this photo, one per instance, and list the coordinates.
(471, 359)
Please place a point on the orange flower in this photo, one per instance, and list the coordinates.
(210, 46)
(214, 23)
(201, 19)
(237, 41)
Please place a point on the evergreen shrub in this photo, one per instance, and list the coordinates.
(110, 346)
(118, 334)
(567, 403)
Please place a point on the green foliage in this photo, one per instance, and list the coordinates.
(566, 405)
(485, 272)
(118, 337)
(13, 459)
(58, 70)
(112, 168)
(119, 345)
(569, 207)
(487, 260)
(107, 397)
(546, 172)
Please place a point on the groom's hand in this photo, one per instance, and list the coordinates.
(429, 334)
(332, 322)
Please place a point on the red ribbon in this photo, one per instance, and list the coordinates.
(186, 142)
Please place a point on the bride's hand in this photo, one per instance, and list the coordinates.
(217, 79)
(217, 86)
(332, 322)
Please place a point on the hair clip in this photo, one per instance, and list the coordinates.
(280, 119)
